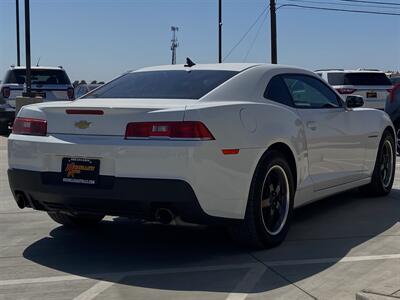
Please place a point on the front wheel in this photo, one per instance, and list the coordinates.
(270, 204)
(80, 220)
(385, 166)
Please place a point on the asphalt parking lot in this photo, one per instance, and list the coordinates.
(344, 247)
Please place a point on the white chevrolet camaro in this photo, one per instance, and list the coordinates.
(235, 144)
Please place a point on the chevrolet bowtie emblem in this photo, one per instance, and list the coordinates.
(82, 124)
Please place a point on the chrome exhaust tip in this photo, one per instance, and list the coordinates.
(164, 216)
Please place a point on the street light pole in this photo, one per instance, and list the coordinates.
(220, 31)
(27, 49)
(274, 50)
(17, 29)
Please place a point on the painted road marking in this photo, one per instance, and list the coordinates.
(106, 276)
(247, 283)
(41, 280)
(106, 280)
(96, 290)
(332, 260)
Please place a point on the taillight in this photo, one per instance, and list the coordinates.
(84, 112)
(345, 91)
(393, 92)
(6, 92)
(30, 126)
(174, 130)
(71, 93)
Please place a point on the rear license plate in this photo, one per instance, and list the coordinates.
(40, 94)
(80, 170)
(372, 95)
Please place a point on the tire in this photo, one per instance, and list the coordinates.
(267, 221)
(75, 221)
(398, 137)
(384, 170)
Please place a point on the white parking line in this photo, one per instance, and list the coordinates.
(111, 276)
(101, 286)
(331, 260)
(41, 280)
(95, 290)
(251, 278)
(247, 283)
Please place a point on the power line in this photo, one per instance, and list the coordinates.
(343, 4)
(372, 2)
(256, 36)
(246, 33)
(339, 9)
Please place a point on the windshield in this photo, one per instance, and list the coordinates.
(363, 78)
(38, 76)
(163, 84)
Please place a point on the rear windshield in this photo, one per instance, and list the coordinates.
(358, 79)
(38, 76)
(163, 84)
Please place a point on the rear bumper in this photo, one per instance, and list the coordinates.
(115, 196)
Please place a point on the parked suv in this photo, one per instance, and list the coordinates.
(392, 108)
(50, 83)
(373, 85)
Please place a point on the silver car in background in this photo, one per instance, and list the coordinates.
(373, 85)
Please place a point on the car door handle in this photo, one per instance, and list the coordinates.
(311, 125)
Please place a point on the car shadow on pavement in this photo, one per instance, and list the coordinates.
(332, 228)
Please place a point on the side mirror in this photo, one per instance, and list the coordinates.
(354, 101)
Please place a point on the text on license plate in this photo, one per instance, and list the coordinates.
(80, 170)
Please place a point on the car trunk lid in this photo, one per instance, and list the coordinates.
(110, 116)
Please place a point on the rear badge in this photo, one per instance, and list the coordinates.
(83, 124)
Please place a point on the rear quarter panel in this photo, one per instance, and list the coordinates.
(251, 127)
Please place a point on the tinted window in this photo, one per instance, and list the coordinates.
(163, 84)
(310, 92)
(38, 76)
(277, 91)
(358, 79)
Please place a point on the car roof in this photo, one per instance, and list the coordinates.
(350, 71)
(37, 68)
(222, 67)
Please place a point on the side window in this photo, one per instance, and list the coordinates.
(310, 92)
(277, 91)
(79, 92)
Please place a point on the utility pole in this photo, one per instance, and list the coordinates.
(220, 31)
(274, 51)
(174, 43)
(17, 29)
(27, 50)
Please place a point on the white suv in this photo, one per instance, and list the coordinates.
(373, 85)
(50, 83)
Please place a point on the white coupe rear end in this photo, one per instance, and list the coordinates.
(226, 143)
